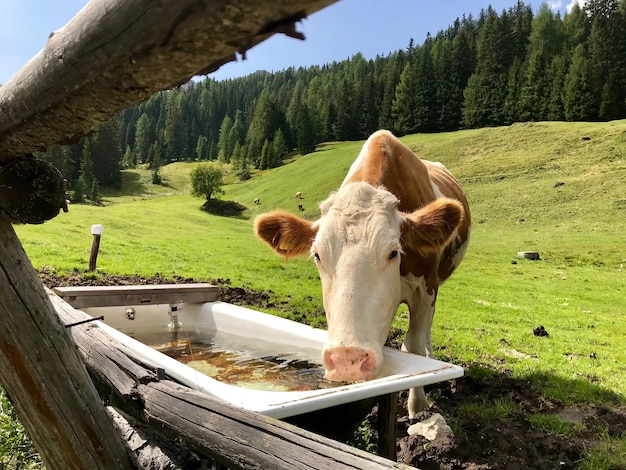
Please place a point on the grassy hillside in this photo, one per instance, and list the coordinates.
(556, 188)
(509, 174)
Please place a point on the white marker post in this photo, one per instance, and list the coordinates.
(96, 231)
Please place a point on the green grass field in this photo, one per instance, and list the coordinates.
(555, 188)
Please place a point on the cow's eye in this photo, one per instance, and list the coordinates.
(317, 258)
(393, 254)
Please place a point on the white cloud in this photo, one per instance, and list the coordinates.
(570, 5)
(555, 5)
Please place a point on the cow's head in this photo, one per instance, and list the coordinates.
(357, 245)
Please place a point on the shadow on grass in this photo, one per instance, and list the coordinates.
(225, 209)
(132, 185)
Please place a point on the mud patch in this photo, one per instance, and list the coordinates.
(510, 441)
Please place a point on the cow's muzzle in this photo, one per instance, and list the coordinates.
(349, 364)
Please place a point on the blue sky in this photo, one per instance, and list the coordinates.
(336, 33)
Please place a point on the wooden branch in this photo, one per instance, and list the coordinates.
(42, 372)
(113, 54)
(234, 437)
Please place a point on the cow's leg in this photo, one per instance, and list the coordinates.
(418, 340)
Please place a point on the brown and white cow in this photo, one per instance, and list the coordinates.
(394, 231)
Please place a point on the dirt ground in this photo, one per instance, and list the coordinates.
(510, 443)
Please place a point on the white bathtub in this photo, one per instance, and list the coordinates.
(401, 370)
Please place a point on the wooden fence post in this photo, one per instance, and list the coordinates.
(42, 372)
(96, 231)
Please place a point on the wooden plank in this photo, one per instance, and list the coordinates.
(43, 373)
(234, 437)
(247, 440)
(151, 450)
(110, 296)
(113, 54)
(102, 353)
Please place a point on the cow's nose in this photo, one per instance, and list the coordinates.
(349, 363)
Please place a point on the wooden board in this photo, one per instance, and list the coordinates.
(112, 296)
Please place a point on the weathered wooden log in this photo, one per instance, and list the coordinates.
(113, 54)
(42, 372)
(149, 449)
(236, 438)
(31, 191)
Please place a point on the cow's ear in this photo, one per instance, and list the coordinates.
(432, 226)
(287, 234)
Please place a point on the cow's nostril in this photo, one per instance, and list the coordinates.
(369, 363)
(328, 361)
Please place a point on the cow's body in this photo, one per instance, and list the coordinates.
(397, 227)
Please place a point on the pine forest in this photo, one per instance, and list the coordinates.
(502, 67)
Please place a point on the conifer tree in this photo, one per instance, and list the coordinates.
(405, 101)
(558, 69)
(266, 156)
(369, 107)
(267, 118)
(78, 194)
(390, 77)
(344, 125)
(546, 42)
(174, 144)
(512, 105)
(86, 168)
(107, 153)
(240, 163)
(486, 89)
(607, 57)
(202, 151)
(446, 83)
(143, 140)
(425, 88)
(213, 150)
(128, 159)
(304, 137)
(236, 134)
(578, 92)
(224, 152)
(280, 147)
(94, 194)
